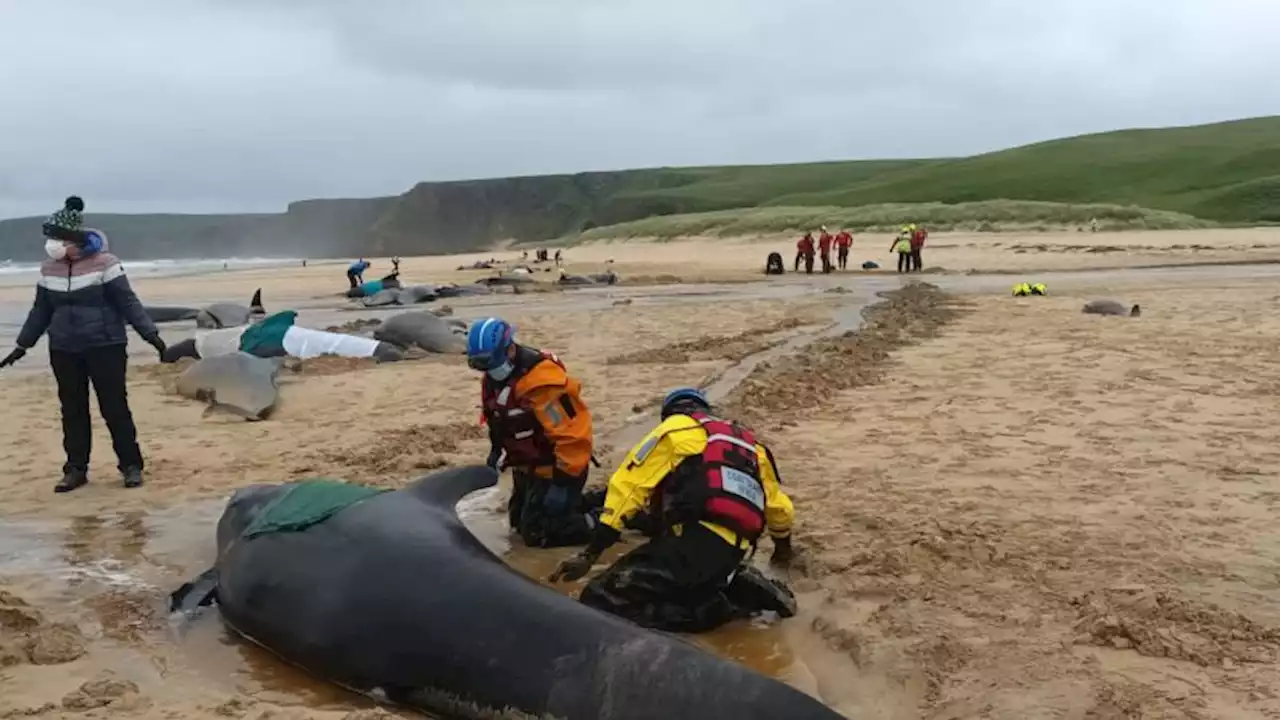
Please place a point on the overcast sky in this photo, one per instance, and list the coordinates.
(244, 105)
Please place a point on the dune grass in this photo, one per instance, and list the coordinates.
(987, 216)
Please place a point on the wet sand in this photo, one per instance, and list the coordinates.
(1006, 508)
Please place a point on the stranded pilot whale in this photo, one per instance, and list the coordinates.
(392, 596)
(217, 315)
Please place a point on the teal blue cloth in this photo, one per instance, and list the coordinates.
(266, 337)
(308, 503)
(373, 287)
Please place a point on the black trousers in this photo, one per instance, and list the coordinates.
(351, 278)
(842, 257)
(105, 368)
(916, 262)
(826, 262)
(543, 524)
(904, 262)
(692, 583)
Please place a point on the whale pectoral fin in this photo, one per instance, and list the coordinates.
(447, 487)
(198, 593)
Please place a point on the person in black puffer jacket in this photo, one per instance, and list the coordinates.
(83, 300)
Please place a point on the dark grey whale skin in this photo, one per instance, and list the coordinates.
(394, 597)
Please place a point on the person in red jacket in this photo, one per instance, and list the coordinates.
(844, 241)
(804, 249)
(824, 246)
(918, 236)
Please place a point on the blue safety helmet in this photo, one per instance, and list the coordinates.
(683, 395)
(487, 343)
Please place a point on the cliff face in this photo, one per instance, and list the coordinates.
(431, 218)
(324, 228)
(312, 228)
(458, 216)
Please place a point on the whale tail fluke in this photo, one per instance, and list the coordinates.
(447, 487)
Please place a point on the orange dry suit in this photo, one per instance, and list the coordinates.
(536, 417)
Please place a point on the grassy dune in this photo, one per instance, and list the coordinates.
(988, 216)
(1228, 172)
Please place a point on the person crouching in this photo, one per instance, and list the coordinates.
(540, 428)
(712, 491)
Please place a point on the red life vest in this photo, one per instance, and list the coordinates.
(515, 425)
(724, 487)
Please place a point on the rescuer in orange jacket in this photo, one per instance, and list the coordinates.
(804, 251)
(844, 240)
(824, 248)
(540, 428)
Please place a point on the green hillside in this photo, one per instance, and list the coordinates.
(1226, 172)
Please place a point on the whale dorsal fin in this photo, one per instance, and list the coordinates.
(445, 488)
(255, 304)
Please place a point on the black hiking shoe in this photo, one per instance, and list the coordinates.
(71, 479)
(752, 592)
(133, 477)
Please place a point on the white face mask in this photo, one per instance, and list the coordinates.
(502, 372)
(55, 249)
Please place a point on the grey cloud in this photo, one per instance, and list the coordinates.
(235, 105)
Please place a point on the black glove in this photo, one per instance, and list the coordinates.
(13, 357)
(495, 458)
(782, 552)
(575, 567)
(158, 343)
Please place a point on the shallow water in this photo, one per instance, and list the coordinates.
(147, 555)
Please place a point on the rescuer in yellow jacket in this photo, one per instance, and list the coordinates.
(713, 492)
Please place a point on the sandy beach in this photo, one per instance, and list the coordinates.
(1006, 509)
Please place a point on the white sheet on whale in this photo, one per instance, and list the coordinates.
(306, 343)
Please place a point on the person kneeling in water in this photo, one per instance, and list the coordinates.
(540, 428)
(713, 491)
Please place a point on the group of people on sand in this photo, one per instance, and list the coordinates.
(806, 250)
(702, 488)
(908, 244)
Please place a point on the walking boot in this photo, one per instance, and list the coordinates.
(133, 477)
(72, 478)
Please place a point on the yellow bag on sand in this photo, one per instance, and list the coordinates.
(1023, 289)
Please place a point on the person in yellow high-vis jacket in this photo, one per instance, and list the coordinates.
(713, 492)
